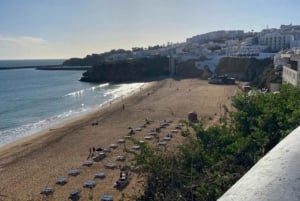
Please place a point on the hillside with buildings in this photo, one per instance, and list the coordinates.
(211, 50)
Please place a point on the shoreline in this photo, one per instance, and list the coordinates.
(35, 162)
(76, 115)
(36, 136)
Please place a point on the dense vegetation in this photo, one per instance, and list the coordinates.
(128, 70)
(215, 158)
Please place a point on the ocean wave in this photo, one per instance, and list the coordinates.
(13, 134)
(113, 92)
(124, 89)
(82, 91)
(100, 86)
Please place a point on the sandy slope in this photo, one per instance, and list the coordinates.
(28, 165)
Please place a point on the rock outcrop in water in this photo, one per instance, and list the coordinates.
(128, 71)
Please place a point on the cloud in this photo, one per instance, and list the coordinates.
(29, 47)
(22, 40)
(22, 47)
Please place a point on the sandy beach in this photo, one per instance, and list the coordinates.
(30, 164)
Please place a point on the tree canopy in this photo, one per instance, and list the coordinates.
(216, 157)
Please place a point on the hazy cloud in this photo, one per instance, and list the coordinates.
(21, 40)
(21, 47)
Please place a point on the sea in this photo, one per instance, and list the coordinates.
(34, 100)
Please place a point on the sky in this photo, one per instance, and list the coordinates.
(44, 29)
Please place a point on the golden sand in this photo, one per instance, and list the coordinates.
(30, 164)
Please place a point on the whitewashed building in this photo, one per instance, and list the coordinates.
(291, 70)
(276, 41)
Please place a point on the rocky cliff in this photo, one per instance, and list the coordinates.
(128, 71)
(187, 69)
(244, 69)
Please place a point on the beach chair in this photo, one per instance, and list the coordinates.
(89, 184)
(120, 158)
(47, 190)
(74, 172)
(107, 198)
(99, 156)
(61, 181)
(74, 195)
(100, 175)
(87, 163)
(110, 165)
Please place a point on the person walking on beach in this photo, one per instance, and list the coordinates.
(123, 107)
(90, 150)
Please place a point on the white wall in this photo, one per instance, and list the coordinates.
(276, 177)
(289, 75)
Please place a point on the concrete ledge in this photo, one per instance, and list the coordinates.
(276, 177)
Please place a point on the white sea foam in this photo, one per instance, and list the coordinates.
(13, 134)
(82, 91)
(125, 89)
(117, 91)
(100, 86)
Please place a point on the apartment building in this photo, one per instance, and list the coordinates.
(276, 41)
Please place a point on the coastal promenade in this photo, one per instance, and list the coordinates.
(29, 165)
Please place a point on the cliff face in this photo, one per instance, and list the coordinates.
(128, 71)
(187, 69)
(244, 69)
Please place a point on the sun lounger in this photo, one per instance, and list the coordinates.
(120, 158)
(99, 149)
(107, 198)
(99, 156)
(178, 127)
(168, 121)
(100, 175)
(74, 195)
(89, 184)
(166, 139)
(138, 129)
(74, 172)
(148, 137)
(153, 133)
(162, 143)
(87, 163)
(47, 191)
(110, 165)
(106, 150)
(61, 181)
(120, 141)
(113, 146)
(135, 147)
(122, 181)
(131, 132)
